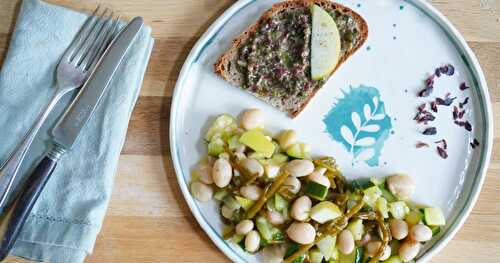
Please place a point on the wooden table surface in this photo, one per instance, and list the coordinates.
(148, 219)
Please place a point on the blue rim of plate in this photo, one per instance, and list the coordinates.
(479, 86)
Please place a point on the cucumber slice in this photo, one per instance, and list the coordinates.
(377, 181)
(327, 247)
(371, 195)
(298, 150)
(435, 230)
(280, 203)
(434, 216)
(315, 190)
(264, 228)
(357, 229)
(387, 195)
(315, 256)
(257, 156)
(216, 147)
(219, 195)
(278, 159)
(325, 211)
(231, 202)
(399, 209)
(258, 142)
(355, 257)
(224, 124)
(292, 248)
(381, 206)
(414, 217)
(245, 203)
(238, 238)
(362, 183)
(233, 142)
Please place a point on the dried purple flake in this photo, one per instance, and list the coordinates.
(443, 69)
(427, 117)
(426, 92)
(429, 81)
(472, 145)
(437, 73)
(461, 114)
(475, 142)
(434, 107)
(421, 107)
(447, 101)
(468, 126)
(462, 104)
(460, 123)
(430, 131)
(420, 144)
(442, 152)
(443, 142)
(451, 70)
(463, 86)
(455, 112)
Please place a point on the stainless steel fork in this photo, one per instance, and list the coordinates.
(76, 64)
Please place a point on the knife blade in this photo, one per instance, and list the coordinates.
(67, 131)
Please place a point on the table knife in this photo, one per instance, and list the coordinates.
(66, 131)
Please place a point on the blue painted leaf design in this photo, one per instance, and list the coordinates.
(371, 128)
(347, 135)
(356, 120)
(360, 123)
(365, 142)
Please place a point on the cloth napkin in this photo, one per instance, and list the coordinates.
(67, 217)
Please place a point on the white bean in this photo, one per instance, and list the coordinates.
(345, 242)
(301, 208)
(240, 156)
(222, 172)
(252, 167)
(420, 233)
(204, 172)
(292, 184)
(318, 177)
(271, 171)
(287, 138)
(302, 233)
(243, 227)
(399, 228)
(275, 218)
(402, 186)
(372, 248)
(409, 250)
(252, 118)
(252, 241)
(240, 149)
(226, 212)
(251, 192)
(299, 168)
(386, 254)
(201, 191)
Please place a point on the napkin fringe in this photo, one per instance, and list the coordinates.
(61, 219)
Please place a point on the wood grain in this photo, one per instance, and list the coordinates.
(148, 219)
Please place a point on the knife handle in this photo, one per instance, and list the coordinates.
(20, 212)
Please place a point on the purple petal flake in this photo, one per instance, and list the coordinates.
(420, 144)
(426, 91)
(429, 81)
(430, 131)
(475, 142)
(437, 73)
(472, 145)
(461, 114)
(443, 143)
(460, 123)
(451, 70)
(444, 69)
(463, 86)
(442, 152)
(462, 104)
(468, 126)
(434, 107)
(455, 113)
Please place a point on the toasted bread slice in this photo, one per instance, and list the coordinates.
(353, 30)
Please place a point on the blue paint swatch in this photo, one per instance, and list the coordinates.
(360, 123)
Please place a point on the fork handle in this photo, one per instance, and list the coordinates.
(27, 200)
(10, 168)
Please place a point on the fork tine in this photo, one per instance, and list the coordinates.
(91, 38)
(104, 45)
(98, 43)
(81, 36)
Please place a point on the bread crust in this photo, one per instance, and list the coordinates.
(222, 66)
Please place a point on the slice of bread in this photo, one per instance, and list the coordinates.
(227, 67)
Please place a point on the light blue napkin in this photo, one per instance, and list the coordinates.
(65, 221)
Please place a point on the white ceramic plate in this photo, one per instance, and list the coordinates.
(407, 41)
